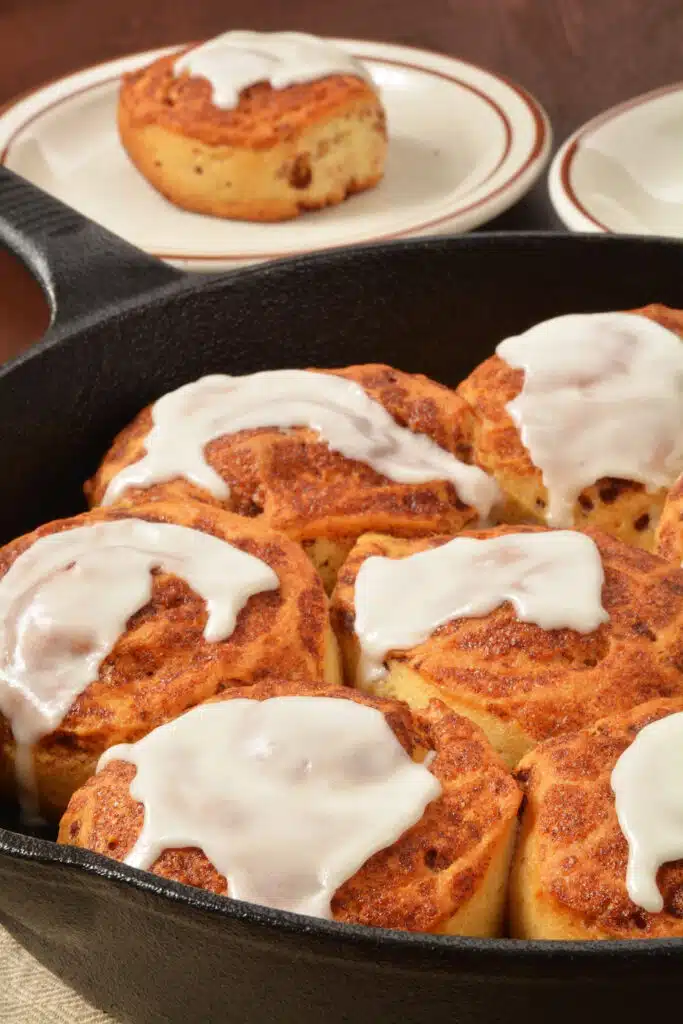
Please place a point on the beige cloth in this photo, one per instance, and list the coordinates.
(30, 994)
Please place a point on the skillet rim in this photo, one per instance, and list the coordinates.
(463, 952)
(176, 284)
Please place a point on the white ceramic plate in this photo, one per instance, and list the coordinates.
(623, 171)
(464, 145)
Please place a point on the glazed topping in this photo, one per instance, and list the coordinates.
(602, 397)
(552, 579)
(237, 60)
(66, 600)
(344, 416)
(286, 797)
(647, 783)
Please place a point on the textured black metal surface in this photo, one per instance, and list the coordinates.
(152, 951)
(81, 266)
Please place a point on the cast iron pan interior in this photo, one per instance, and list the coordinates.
(126, 329)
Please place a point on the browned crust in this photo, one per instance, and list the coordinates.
(417, 884)
(278, 198)
(294, 483)
(265, 117)
(669, 536)
(620, 507)
(574, 848)
(162, 665)
(546, 681)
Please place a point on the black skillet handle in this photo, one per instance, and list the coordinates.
(81, 266)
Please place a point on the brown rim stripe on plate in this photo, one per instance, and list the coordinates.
(541, 133)
(565, 172)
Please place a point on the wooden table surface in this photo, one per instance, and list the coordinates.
(577, 56)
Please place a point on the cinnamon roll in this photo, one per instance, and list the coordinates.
(117, 620)
(321, 801)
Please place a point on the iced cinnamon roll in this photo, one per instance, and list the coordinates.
(117, 620)
(600, 854)
(530, 632)
(580, 420)
(320, 801)
(258, 126)
(322, 456)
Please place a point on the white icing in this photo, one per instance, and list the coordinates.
(552, 579)
(287, 797)
(235, 61)
(66, 600)
(346, 418)
(648, 785)
(602, 397)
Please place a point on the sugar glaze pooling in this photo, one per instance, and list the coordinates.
(66, 601)
(237, 60)
(287, 797)
(602, 397)
(552, 579)
(346, 418)
(648, 785)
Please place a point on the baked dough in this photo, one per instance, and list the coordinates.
(279, 153)
(161, 665)
(293, 482)
(446, 874)
(519, 682)
(623, 508)
(669, 536)
(569, 876)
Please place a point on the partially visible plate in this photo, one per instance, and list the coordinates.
(623, 171)
(465, 144)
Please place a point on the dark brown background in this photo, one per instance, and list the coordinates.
(577, 56)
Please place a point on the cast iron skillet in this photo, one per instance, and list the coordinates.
(126, 329)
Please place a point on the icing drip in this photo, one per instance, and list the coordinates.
(648, 785)
(286, 797)
(235, 61)
(346, 418)
(66, 600)
(553, 579)
(602, 397)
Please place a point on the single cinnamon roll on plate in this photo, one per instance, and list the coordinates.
(258, 126)
(318, 800)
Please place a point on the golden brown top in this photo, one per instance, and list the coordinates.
(264, 117)
(416, 884)
(295, 483)
(162, 665)
(669, 537)
(580, 854)
(498, 446)
(555, 680)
